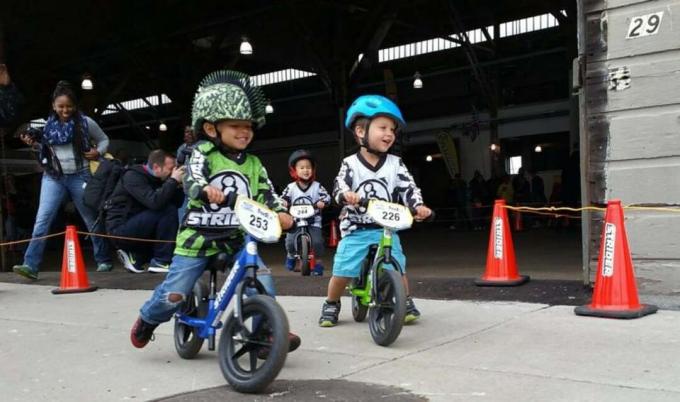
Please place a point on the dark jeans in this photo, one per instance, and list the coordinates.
(157, 225)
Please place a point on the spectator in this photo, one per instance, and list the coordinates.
(144, 205)
(66, 151)
(10, 98)
(505, 190)
(521, 187)
(183, 153)
(479, 199)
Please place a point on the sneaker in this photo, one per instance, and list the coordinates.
(412, 312)
(290, 263)
(104, 267)
(318, 270)
(294, 342)
(158, 267)
(25, 271)
(141, 333)
(130, 262)
(329, 314)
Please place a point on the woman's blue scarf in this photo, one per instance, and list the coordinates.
(58, 133)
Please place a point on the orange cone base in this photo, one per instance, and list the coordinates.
(522, 279)
(74, 290)
(645, 309)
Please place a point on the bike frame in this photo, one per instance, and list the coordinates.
(382, 256)
(217, 303)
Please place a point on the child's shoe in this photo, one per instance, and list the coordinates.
(318, 270)
(412, 312)
(329, 314)
(290, 263)
(141, 333)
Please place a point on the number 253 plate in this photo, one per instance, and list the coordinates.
(390, 215)
(258, 220)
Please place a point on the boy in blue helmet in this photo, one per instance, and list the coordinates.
(370, 173)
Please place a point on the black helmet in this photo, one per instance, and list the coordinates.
(300, 154)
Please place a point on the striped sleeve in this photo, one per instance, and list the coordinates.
(266, 193)
(407, 188)
(323, 195)
(195, 177)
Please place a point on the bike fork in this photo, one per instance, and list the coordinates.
(211, 304)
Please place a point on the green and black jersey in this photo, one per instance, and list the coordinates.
(208, 228)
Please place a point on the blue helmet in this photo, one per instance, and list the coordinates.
(371, 106)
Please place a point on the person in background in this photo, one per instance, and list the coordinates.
(66, 151)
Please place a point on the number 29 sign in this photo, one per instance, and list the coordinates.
(644, 25)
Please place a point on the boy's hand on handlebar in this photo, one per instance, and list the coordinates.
(286, 220)
(422, 213)
(351, 197)
(214, 195)
(320, 205)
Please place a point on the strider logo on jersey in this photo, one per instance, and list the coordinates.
(215, 216)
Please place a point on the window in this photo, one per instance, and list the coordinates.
(514, 163)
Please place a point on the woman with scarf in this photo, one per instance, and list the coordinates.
(65, 154)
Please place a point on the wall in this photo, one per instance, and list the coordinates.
(632, 89)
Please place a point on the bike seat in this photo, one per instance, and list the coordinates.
(218, 262)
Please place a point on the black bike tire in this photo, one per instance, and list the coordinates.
(385, 335)
(188, 344)
(305, 243)
(239, 379)
(359, 310)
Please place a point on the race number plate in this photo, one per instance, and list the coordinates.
(390, 215)
(258, 220)
(302, 211)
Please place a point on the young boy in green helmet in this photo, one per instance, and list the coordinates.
(225, 110)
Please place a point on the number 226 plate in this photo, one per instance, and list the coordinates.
(258, 220)
(390, 215)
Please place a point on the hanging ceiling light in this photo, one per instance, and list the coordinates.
(87, 84)
(538, 148)
(417, 81)
(246, 47)
(428, 158)
(162, 127)
(269, 109)
(495, 147)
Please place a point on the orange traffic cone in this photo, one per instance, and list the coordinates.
(501, 268)
(615, 294)
(73, 272)
(333, 237)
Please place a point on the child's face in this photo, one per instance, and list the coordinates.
(303, 169)
(235, 134)
(381, 133)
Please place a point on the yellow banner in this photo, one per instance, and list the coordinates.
(448, 149)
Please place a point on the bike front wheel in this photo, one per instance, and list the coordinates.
(187, 341)
(386, 317)
(304, 247)
(252, 354)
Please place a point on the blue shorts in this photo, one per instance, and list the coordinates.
(353, 248)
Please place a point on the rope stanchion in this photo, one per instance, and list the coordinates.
(11, 243)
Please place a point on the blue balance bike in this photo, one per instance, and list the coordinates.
(254, 341)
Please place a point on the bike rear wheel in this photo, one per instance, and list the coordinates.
(187, 341)
(359, 310)
(386, 317)
(265, 325)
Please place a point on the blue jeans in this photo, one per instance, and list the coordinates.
(183, 274)
(149, 224)
(52, 194)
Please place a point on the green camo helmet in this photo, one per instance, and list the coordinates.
(230, 95)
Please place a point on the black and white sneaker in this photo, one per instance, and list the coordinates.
(158, 267)
(329, 314)
(130, 262)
